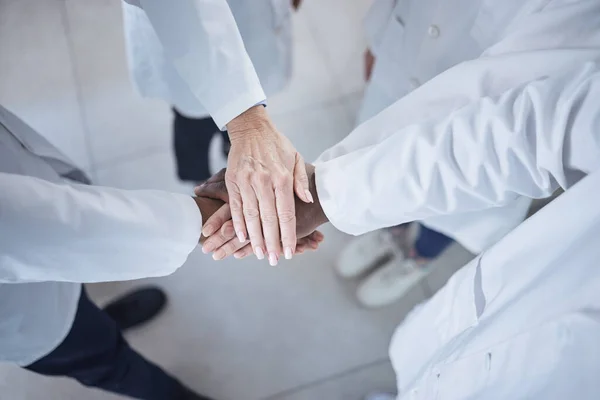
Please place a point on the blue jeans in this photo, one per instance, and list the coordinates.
(430, 243)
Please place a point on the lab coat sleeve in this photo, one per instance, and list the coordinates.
(80, 233)
(201, 39)
(526, 142)
(383, 154)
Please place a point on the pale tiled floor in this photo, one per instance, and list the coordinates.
(235, 330)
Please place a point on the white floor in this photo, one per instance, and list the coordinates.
(234, 330)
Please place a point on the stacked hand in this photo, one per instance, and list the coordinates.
(263, 173)
(221, 234)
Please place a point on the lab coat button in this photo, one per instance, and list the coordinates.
(414, 82)
(433, 31)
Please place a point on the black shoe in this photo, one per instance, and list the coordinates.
(189, 395)
(137, 307)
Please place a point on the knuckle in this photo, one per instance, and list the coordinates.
(227, 230)
(251, 213)
(229, 248)
(282, 180)
(262, 178)
(270, 219)
(222, 237)
(287, 216)
(235, 204)
(246, 175)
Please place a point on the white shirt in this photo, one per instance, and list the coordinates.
(55, 235)
(380, 175)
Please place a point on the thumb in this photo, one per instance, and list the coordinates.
(301, 186)
(213, 190)
(217, 220)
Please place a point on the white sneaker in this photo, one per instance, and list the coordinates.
(391, 282)
(363, 253)
(381, 396)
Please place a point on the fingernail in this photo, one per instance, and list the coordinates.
(273, 259)
(208, 230)
(241, 236)
(288, 253)
(259, 253)
(219, 255)
(309, 196)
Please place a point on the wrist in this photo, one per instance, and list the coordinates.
(203, 217)
(207, 208)
(318, 212)
(253, 121)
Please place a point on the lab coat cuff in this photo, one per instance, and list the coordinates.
(236, 107)
(330, 188)
(191, 222)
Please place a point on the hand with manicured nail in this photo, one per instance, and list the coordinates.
(308, 217)
(225, 243)
(264, 175)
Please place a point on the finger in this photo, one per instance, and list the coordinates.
(214, 190)
(217, 220)
(286, 214)
(270, 218)
(237, 213)
(300, 248)
(312, 244)
(308, 243)
(219, 238)
(317, 235)
(301, 186)
(251, 214)
(218, 178)
(228, 249)
(243, 252)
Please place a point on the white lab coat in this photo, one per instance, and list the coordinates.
(265, 26)
(55, 234)
(521, 320)
(445, 54)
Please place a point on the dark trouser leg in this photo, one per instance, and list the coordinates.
(96, 354)
(191, 138)
(430, 243)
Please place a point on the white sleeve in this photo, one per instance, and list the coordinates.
(201, 39)
(79, 233)
(396, 152)
(526, 142)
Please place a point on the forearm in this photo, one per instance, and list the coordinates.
(526, 142)
(254, 122)
(82, 233)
